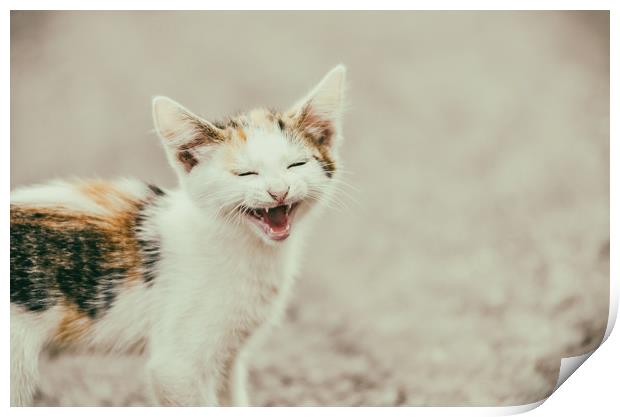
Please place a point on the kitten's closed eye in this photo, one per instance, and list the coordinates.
(243, 174)
(296, 164)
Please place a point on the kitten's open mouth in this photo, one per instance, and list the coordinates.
(275, 222)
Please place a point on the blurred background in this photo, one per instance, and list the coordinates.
(474, 252)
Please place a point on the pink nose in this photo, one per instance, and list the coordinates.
(279, 195)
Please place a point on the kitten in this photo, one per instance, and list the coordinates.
(190, 277)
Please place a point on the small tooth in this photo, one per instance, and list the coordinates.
(267, 209)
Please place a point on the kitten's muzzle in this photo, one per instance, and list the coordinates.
(274, 221)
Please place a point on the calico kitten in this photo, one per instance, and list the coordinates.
(191, 277)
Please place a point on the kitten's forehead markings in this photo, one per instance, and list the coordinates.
(263, 118)
(315, 132)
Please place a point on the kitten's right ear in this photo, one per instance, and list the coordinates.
(183, 134)
(319, 113)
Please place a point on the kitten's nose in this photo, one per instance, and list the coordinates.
(278, 195)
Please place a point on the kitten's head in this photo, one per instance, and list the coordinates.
(263, 170)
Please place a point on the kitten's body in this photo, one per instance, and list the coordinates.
(191, 277)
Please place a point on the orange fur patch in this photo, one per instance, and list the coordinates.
(118, 241)
(107, 196)
(317, 133)
(241, 134)
(117, 227)
(73, 327)
(261, 117)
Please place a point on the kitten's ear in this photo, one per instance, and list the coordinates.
(320, 112)
(184, 135)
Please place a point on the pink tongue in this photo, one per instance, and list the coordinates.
(276, 218)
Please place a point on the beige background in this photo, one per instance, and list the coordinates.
(474, 253)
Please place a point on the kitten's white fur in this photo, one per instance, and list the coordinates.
(220, 285)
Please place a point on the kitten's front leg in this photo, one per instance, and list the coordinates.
(233, 388)
(238, 383)
(175, 382)
(181, 371)
(232, 385)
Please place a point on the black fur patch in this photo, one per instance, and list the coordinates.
(59, 256)
(48, 263)
(156, 190)
(328, 166)
(228, 122)
(188, 160)
(150, 248)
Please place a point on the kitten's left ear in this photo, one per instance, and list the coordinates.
(185, 136)
(320, 112)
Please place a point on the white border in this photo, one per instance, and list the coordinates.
(595, 384)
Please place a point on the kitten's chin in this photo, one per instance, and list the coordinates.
(272, 224)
